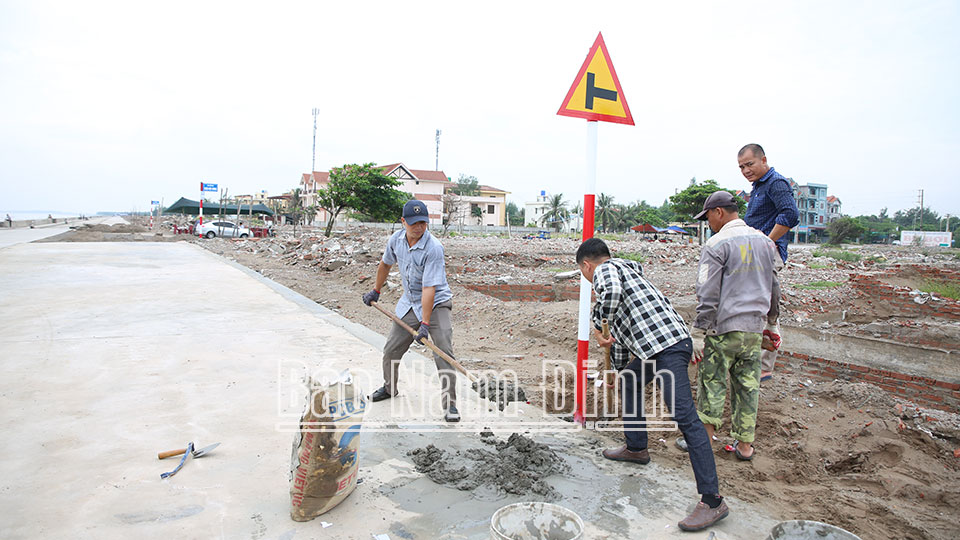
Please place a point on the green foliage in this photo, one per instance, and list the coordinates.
(909, 219)
(467, 186)
(556, 212)
(689, 202)
(605, 211)
(639, 257)
(843, 229)
(650, 216)
(364, 188)
(515, 214)
(837, 254)
(946, 289)
(817, 266)
(818, 285)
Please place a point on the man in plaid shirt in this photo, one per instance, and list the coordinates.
(644, 325)
(772, 210)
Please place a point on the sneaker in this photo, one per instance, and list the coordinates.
(682, 444)
(380, 395)
(703, 516)
(453, 415)
(623, 454)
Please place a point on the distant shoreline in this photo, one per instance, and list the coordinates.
(24, 216)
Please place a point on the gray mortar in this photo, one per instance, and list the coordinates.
(518, 466)
(499, 391)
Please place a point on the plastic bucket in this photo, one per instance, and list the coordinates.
(801, 529)
(535, 521)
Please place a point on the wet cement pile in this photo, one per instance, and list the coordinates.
(516, 466)
(499, 391)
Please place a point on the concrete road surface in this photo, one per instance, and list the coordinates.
(112, 352)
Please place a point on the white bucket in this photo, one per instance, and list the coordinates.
(535, 521)
(802, 529)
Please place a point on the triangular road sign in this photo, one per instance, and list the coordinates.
(596, 92)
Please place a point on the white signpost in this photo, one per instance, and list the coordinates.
(595, 95)
(204, 187)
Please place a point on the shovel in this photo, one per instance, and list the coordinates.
(496, 395)
(194, 453)
(426, 342)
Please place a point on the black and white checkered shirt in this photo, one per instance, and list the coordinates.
(641, 319)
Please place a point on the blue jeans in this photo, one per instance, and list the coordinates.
(672, 361)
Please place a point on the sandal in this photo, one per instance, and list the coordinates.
(741, 457)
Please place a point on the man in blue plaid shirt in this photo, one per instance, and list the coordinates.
(644, 325)
(772, 210)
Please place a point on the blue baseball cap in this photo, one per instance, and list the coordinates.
(415, 212)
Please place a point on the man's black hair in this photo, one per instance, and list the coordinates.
(592, 248)
(732, 209)
(753, 147)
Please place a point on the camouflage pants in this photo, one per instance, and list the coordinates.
(739, 354)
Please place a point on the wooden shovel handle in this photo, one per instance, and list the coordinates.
(605, 330)
(171, 453)
(426, 342)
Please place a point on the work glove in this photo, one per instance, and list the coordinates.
(701, 335)
(771, 340)
(372, 296)
(422, 333)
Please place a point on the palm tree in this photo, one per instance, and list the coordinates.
(604, 209)
(556, 212)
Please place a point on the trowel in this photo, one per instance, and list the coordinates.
(195, 453)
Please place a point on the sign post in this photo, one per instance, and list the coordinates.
(203, 187)
(595, 96)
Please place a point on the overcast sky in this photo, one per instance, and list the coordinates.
(108, 105)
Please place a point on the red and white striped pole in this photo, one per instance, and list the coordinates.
(200, 222)
(586, 288)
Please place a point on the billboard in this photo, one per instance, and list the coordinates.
(926, 238)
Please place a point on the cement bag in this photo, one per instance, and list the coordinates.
(323, 468)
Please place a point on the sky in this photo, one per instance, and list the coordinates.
(105, 106)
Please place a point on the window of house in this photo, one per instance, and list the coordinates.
(489, 208)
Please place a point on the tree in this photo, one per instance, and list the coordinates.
(296, 209)
(842, 229)
(689, 202)
(604, 210)
(365, 188)
(556, 212)
(514, 215)
(465, 186)
(477, 212)
(650, 216)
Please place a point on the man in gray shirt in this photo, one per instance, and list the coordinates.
(425, 305)
(737, 294)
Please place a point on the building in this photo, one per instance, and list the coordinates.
(533, 212)
(812, 205)
(491, 203)
(427, 186)
(815, 208)
(833, 208)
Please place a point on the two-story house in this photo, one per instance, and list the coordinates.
(427, 186)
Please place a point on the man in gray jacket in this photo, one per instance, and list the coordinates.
(737, 295)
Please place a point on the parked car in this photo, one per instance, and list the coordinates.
(227, 229)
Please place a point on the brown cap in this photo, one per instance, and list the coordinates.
(717, 199)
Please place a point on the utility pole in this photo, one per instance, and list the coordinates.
(313, 156)
(437, 166)
(920, 213)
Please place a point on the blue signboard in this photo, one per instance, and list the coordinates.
(154, 202)
(209, 187)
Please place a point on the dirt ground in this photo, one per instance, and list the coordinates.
(844, 453)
